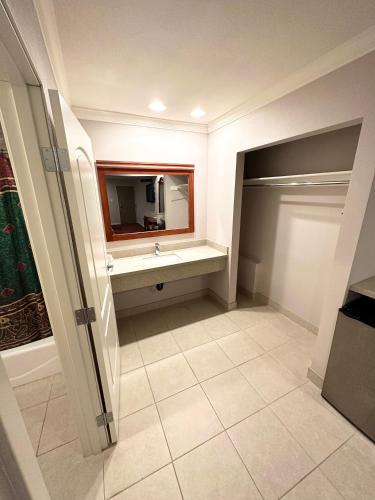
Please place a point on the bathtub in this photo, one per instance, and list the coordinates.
(30, 362)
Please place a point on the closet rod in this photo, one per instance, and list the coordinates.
(298, 184)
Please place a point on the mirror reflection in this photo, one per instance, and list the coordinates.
(139, 203)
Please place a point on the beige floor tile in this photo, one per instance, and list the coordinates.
(208, 360)
(312, 425)
(34, 393)
(315, 393)
(220, 325)
(215, 471)
(130, 357)
(314, 487)
(158, 346)
(251, 315)
(59, 425)
(125, 331)
(141, 450)
(203, 308)
(34, 418)
(269, 378)
(58, 386)
(161, 485)
(291, 328)
(188, 420)
(268, 335)
(135, 392)
(232, 397)
(293, 357)
(274, 459)
(169, 376)
(351, 469)
(69, 476)
(176, 315)
(148, 323)
(191, 335)
(240, 347)
(307, 343)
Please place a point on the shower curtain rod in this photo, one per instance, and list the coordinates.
(297, 184)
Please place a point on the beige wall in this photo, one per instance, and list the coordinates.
(342, 97)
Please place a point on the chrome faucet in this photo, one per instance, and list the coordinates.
(157, 249)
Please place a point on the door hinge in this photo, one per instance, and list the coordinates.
(85, 316)
(104, 419)
(55, 159)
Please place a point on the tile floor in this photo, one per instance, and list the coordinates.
(213, 405)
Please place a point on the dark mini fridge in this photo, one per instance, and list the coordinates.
(349, 384)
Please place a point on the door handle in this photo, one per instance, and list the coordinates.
(110, 267)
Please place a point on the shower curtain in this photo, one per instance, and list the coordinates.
(23, 314)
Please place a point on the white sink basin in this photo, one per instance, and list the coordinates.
(161, 260)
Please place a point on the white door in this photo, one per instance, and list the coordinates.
(90, 247)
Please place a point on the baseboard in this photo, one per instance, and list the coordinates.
(151, 306)
(315, 378)
(289, 314)
(245, 292)
(228, 306)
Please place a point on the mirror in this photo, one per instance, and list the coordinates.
(144, 201)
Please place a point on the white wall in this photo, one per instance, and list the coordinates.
(114, 209)
(364, 261)
(176, 202)
(112, 141)
(344, 96)
(292, 234)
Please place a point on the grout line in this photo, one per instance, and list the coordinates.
(59, 446)
(270, 351)
(317, 466)
(199, 445)
(44, 420)
(235, 366)
(138, 481)
(178, 482)
(34, 406)
(200, 384)
(226, 433)
(210, 378)
(41, 429)
(165, 436)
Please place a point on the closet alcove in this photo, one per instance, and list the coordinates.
(293, 200)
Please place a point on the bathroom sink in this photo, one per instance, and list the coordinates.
(162, 260)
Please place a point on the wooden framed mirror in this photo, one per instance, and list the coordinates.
(142, 200)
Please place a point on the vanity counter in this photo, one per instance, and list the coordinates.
(145, 269)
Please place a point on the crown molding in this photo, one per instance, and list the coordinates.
(47, 19)
(345, 53)
(137, 120)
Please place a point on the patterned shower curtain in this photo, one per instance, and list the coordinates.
(23, 314)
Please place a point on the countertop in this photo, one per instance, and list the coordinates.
(365, 287)
(126, 266)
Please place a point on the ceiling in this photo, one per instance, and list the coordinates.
(121, 54)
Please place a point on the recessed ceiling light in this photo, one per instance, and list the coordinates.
(198, 112)
(157, 106)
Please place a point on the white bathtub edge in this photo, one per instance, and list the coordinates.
(34, 361)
